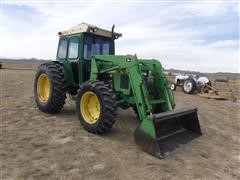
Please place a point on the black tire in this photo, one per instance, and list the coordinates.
(189, 86)
(173, 87)
(107, 101)
(57, 94)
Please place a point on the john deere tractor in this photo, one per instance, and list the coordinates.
(99, 81)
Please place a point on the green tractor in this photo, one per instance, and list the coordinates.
(99, 81)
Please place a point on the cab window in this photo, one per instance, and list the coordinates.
(62, 48)
(73, 47)
(95, 46)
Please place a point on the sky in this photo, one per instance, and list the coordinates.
(189, 35)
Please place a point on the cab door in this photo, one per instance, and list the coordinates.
(73, 56)
(87, 56)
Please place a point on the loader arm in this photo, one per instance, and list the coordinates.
(131, 66)
(141, 84)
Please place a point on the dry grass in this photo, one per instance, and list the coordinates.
(35, 145)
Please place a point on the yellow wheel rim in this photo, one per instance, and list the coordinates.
(43, 88)
(90, 107)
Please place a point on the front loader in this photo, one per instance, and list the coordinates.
(100, 81)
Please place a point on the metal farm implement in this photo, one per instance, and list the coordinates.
(100, 81)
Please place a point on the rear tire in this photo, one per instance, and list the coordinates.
(49, 88)
(189, 86)
(96, 107)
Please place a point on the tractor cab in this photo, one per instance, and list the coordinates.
(77, 46)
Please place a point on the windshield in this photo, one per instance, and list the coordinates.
(96, 46)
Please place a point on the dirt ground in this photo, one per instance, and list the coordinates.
(35, 145)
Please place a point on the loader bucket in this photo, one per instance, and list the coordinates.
(173, 129)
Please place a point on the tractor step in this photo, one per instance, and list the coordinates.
(157, 101)
(173, 129)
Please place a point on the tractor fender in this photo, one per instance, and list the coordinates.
(67, 72)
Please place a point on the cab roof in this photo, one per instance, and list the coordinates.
(88, 28)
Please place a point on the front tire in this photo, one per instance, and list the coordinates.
(173, 87)
(49, 88)
(96, 107)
